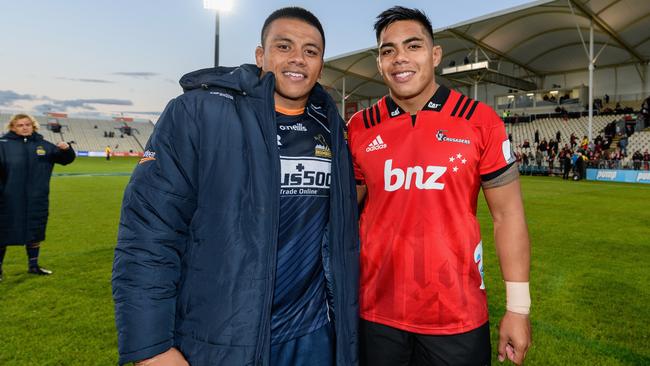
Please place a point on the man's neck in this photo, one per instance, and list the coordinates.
(289, 104)
(414, 104)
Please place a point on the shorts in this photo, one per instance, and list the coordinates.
(382, 345)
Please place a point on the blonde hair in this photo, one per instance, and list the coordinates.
(16, 117)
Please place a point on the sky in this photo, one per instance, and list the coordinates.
(103, 58)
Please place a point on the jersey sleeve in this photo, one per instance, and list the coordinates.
(353, 125)
(497, 155)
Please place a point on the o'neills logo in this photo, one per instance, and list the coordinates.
(297, 127)
(603, 174)
(440, 135)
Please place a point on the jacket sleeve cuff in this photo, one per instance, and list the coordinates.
(145, 353)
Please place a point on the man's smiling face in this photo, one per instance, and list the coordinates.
(293, 52)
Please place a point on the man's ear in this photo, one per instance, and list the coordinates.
(437, 55)
(259, 56)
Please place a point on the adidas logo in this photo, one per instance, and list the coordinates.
(376, 144)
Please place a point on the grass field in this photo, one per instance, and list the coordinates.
(590, 278)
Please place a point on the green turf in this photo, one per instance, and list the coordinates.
(590, 279)
(97, 165)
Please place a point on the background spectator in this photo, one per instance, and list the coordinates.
(26, 160)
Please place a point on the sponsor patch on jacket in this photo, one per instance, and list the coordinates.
(40, 151)
(148, 156)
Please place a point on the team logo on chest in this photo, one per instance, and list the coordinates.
(322, 150)
(40, 151)
(442, 137)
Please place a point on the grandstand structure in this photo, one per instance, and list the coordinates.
(125, 136)
(536, 58)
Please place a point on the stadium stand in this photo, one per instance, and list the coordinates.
(607, 158)
(640, 141)
(93, 134)
(548, 127)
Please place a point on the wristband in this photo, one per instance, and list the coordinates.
(518, 297)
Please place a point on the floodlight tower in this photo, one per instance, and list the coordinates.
(218, 6)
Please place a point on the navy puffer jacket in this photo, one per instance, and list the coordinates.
(25, 170)
(195, 259)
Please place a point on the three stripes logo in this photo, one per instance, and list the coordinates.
(371, 116)
(376, 144)
(465, 103)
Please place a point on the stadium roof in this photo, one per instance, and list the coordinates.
(531, 41)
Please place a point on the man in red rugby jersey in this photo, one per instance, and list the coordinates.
(421, 155)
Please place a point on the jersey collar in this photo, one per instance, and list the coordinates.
(435, 103)
(438, 99)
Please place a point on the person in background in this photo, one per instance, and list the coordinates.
(565, 161)
(26, 163)
(637, 160)
(525, 162)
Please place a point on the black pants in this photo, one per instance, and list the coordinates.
(382, 345)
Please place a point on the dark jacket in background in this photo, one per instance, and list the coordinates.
(25, 169)
(195, 259)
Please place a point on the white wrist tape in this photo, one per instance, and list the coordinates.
(518, 297)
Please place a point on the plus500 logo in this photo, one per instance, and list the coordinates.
(396, 178)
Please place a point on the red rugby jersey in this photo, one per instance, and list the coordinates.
(421, 249)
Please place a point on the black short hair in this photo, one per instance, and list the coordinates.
(397, 13)
(293, 12)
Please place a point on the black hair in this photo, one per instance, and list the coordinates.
(293, 12)
(397, 13)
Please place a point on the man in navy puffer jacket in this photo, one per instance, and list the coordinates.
(238, 239)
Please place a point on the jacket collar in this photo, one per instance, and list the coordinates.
(13, 136)
(245, 79)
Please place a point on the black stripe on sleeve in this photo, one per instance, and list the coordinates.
(365, 118)
(377, 114)
(462, 111)
(371, 115)
(471, 110)
(460, 100)
(490, 176)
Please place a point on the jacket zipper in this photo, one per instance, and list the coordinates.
(338, 321)
(273, 239)
(26, 191)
